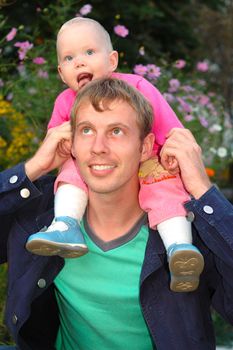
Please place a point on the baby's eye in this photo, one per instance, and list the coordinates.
(90, 52)
(87, 131)
(117, 131)
(68, 58)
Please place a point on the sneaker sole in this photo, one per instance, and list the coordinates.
(185, 267)
(65, 250)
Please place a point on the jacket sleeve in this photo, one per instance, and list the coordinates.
(15, 189)
(213, 219)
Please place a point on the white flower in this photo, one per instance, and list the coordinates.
(215, 128)
(222, 152)
(213, 150)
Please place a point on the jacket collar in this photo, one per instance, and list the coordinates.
(154, 255)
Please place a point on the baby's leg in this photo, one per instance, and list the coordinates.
(162, 195)
(64, 237)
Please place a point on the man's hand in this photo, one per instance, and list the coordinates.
(181, 145)
(53, 152)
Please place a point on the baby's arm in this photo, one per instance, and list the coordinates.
(70, 190)
(164, 117)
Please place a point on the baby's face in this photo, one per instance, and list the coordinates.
(83, 55)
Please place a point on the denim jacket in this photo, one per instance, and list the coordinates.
(176, 321)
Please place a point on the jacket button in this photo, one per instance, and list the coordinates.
(208, 209)
(190, 216)
(41, 283)
(14, 319)
(24, 193)
(13, 179)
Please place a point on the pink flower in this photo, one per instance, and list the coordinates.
(24, 47)
(201, 82)
(187, 88)
(21, 69)
(202, 66)
(121, 31)
(140, 69)
(204, 100)
(180, 64)
(39, 60)
(10, 36)
(174, 85)
(169, 97)
(153, 72)
(204, 122)
(188, 118)
(42, 74)
(85, 9)
(1, 83)
(10, 96)
(184, 105)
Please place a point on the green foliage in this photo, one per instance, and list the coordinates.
(223, 330)
(5, 337)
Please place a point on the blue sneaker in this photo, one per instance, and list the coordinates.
(186, 264)
(67, 244)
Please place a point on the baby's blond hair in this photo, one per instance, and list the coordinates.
(81, 20)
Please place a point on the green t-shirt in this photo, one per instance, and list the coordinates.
(98, 295)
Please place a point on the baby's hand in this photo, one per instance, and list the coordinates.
(64, 147)
(171, 165)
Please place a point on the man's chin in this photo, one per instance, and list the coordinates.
(101, 189)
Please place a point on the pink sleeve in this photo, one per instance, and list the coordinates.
(62, 108)
(61, 113)
(164, 117)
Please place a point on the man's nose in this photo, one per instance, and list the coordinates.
(100, 145)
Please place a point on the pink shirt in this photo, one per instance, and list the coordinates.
(164, 117)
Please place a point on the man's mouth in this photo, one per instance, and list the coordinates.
(102, 167)
(83, 79)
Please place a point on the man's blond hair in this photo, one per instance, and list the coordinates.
(100, 93)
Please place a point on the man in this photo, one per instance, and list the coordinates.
(126, 300)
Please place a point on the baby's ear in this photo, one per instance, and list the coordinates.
(113, 60)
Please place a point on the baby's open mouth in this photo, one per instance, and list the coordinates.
(83, 79)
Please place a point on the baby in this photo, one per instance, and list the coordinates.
(85, 52)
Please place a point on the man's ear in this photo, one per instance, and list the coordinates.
(60, 73)
(113, 60)
(147, 147)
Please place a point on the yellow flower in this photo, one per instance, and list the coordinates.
(17, 139)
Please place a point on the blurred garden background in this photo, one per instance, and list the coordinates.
(185, 48)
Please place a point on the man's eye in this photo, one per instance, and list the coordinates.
(68, 58)
(87, 131)
(90, 52)
(117, 131)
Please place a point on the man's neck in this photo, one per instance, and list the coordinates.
(113, 215)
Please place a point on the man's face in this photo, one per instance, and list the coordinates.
(108, 148)
(83, 55)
